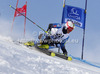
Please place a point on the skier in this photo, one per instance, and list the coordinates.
(58, 35)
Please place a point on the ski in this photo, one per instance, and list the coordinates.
(45, 49)
(53, 54)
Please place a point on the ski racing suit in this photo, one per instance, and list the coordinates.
(57, 36)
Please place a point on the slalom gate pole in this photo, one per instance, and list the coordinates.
(14, 16)
(84, 30)
(28, 19)
(63, 11)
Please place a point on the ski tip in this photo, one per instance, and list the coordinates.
(53, 54)
(69, 58)
(9, 5)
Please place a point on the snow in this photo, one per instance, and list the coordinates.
(18, 59)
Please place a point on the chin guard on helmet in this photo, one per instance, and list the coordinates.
(69, 26)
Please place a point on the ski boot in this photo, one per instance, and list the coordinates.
(68, 58)
(43, 46)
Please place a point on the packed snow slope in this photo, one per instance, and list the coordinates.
(18, 59)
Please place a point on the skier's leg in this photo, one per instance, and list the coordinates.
(63, 47)
(49, 27)
(40, 36)
(45, 44)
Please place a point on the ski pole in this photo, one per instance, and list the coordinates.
(28, 19)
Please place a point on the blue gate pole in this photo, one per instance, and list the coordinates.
(84, 31)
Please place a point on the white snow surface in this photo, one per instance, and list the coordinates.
(18, 59)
